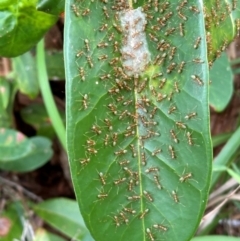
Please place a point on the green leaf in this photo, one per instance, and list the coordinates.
(215, 238)
(55, 65)
(5, 90)
(36, 115)
(115, 119)
(51, 6)
(22, 26)
(22, 154)
(10, 222)
(63, 214)
(43, 235)
(25, 71)
(221, 87)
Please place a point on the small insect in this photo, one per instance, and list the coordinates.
(105, 12)
(86, 42)
(86, 12)
(143, 158)
(153, 112)
(102, 178)
(134, 198)
(138, 45)
(170, 96)
(114, 138)
(181, 29)
(194, 9)
(161, 97)
(114, 61)
(103, 57)
(148, 196)
(189, 137)
(151, 169)
(108, 123)
(130, 185)
(172, 53)
(82, 73)
(169, 31)
(85, 161)
(198, 61)
(75, 10)
(174, 136)
(102, 195)
(120, 152)
(129, 171)
(185, 177)
(103, 27)
(79, 53)
(116, 220)
(134, 153)
(172, 109)
(157, 75)
(182, 16)
(172, 152)
(190, 115)
(157, 182)
(197, 79)
(181, 66)
(102, 45)
(124, 217)
(143, 214)
(150, 235)
(91, 142)
(182, 4)
(89, 60)
(162, 83)
(180, 125)
(175, 197)
(129, 210)
(156, 151)
(116, 46)
(124, 162)
(106, 140)
(118, 28)
(197, 42)
(153, 38)
(96, 129)
(120, 180)
(160, 227)
(171, 67)
(112, 108)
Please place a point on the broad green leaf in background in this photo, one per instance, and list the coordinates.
(62, 214)
(215, 238)
(22, 154)
(139, 146)
(51, 6)
(36, 115)
(7, 95)
(43, 235)
(10, 221)
(55, 65)
(22, 26)
(24, 68)
(5, 90)
(221, 87)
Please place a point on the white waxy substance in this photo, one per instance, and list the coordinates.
(135, 53)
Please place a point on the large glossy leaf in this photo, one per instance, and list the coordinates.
(22, 26)
(139, 146)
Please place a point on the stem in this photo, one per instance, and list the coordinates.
(47, 95)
